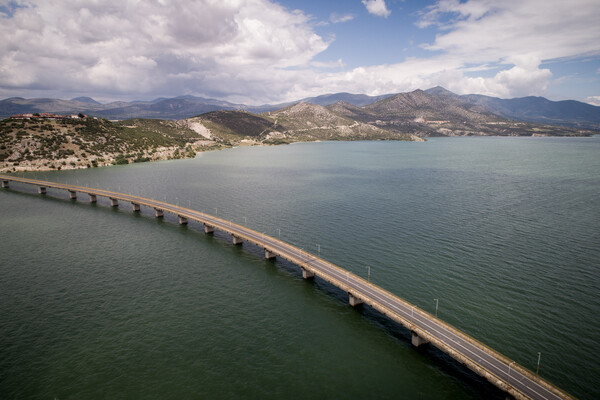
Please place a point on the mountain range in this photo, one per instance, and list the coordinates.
(362, 107)
(52, 142)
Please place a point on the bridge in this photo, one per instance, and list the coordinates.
(506, 374)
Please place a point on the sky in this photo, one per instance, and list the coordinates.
(266, 51)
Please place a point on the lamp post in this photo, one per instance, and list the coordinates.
(278, 233)
(319, 249)
(216, 212)
(538, 365)
(368, 274)
(436, 307)
(509, 371)
(244, 221)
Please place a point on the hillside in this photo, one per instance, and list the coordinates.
(307, 122)
(446, 114)
(539, 110)
(89, 142)
(232, 125)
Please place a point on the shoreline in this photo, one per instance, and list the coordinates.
(167, 153)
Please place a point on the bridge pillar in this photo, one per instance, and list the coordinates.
(182, 220)
(72, 194)
(209, 229)
(41, 190)
(158, 213)
(236, 240)
(93, 198)
(354, 301)
(306, 274)
(417, 340)
(5, 184)
(269, 255)
(135, 207)
(114, 202)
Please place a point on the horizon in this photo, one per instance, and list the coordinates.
(283, 104)
(259, 52)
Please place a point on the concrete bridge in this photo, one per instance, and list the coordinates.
(506, 374)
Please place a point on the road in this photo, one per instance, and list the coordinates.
(498, 369)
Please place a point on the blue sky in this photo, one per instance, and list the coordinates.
(262, 51)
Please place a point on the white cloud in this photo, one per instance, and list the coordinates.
(129, 47)
(377, 7)
(256, 51)
(593, 100)
(336, 18)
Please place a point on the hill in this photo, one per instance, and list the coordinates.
(445, 114)
(306, 122)
(534, 109)
(42, 144)
(84, 99)
(528, 109)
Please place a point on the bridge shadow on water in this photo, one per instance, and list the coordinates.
(430, 355)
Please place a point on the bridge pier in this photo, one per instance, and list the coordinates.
(209, 229)
(5, 184)
(72, 194)
(269, 255)
(114, 202)
(41, 190)
(93, 198)
(354, 301)
(236, 240)
(158, 213)
(182, 220)
(306, 274)
(135, 207)
(417, 340)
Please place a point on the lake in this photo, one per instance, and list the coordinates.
(101, 303)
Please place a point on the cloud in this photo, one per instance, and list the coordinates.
(129, 47)
(256, 51)
(336, 18)
(593, 100)
(377, 7)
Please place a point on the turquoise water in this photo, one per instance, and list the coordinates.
(103, 303)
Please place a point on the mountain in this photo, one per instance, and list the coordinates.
(357, 100)
(532, 109)
(436, 104)
(299, 122)
(442, 113)
(163, 109)
(85, 100)
(306, 121)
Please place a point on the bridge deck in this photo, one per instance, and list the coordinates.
(498, 369)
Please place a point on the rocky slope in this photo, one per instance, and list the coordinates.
(305, 121)
(44, 144)
(573, 114)
(424, 114)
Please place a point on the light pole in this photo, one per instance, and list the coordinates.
(368, 274)
(278, 233)
(244, 221)
(216, 212)
(538, 366)
(509, 371)
(319, 249)
(436, 307)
